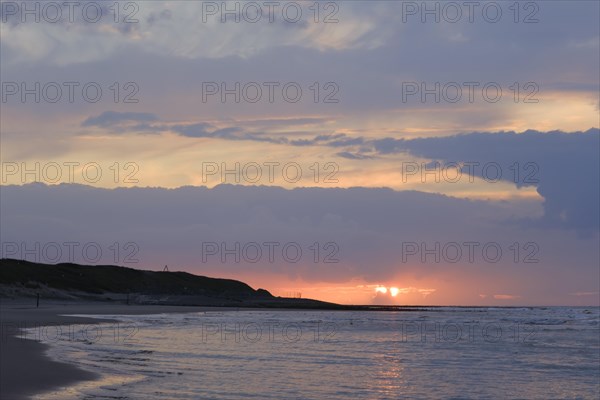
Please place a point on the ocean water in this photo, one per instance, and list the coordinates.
(459, 353)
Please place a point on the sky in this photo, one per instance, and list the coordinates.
(361, 152)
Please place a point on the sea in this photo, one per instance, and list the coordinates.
(427, 353)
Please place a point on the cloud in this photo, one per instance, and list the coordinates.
(111, 118)
(278, 122)
(364, 230)
(354, 156)
(194, 130)
(359, 53)
(178, 29)
(579, 294)
(562, 166)
(506, 297)
(122, 123)
(204, 130)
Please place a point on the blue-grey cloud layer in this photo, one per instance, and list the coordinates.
(564, 166)
(369, 226)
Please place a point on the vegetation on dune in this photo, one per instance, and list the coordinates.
(98, 279)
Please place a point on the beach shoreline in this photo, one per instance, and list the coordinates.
(25, 367)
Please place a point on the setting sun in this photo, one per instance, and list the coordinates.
(381, 289)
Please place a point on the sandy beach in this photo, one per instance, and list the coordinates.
(25, 368)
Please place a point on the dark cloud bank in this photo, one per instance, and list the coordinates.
(564, 166)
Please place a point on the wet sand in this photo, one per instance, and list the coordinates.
(25, 370)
